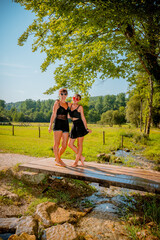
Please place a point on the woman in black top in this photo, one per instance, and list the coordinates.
(61, 126)
(79, 129)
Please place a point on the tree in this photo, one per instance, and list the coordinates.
(99, 105)
(93, 116)
(39, 117)
(156, 109)
(133, 110)
(95, 38)
(118, 117)
(107, 118)
(2, 104)
(28, 104)
(120, 100)
(109, 102)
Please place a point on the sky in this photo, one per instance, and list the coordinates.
(20, 74)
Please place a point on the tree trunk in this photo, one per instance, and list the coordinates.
(145, 125)
(150, 105)
(149, 60)
(141, 116)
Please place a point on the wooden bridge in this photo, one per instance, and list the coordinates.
(104, 174)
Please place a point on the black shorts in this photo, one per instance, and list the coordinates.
(61, 125)
(78, 129)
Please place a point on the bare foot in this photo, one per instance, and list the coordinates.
(75, 164)
(60, 163)
(82, 161)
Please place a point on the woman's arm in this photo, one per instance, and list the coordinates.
(53, 116)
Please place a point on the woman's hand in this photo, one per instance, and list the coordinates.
(49, 129)
(89, 130)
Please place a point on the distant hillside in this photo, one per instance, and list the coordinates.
(41, 110)
(17, 105)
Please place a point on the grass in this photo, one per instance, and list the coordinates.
(5, 200)
(26, 141)
(142, 216)
(65, 192)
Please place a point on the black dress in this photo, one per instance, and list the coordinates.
(78, 128)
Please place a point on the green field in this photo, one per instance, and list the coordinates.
(26, 141)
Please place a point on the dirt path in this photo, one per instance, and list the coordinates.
(11, 159)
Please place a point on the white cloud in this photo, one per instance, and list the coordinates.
(12, 75)
(14, 65)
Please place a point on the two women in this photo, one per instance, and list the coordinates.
(61, 127)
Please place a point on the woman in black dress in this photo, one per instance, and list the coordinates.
(61, 126)
(79, 129)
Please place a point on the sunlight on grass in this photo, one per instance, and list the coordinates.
(26, 141)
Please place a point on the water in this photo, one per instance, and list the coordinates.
(5, 236)
(135, 160)
(122, 153)
(110, 200)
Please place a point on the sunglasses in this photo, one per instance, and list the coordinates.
(75, 99)
(63, 94)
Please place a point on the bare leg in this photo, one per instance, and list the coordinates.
(79, 153)
(57, 138)
(64, 143)
(74, 148)
(82, 158)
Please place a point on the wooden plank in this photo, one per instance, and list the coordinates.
(104, 174)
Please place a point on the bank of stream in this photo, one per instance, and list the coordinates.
(111, 216)
(134, 159)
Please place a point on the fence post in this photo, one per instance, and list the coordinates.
(103, 137)
(39, 132)
(12, 130)
(122, 142)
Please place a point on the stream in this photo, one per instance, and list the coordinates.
(105, 219)
(135, 159)
(110, 204)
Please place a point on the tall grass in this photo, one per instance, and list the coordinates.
(26, 141)
(143, 216)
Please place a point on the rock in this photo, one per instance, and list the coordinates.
(135, 220)
(65, 231)
(30, 177)
(62, 215)
(151, 237)
(43, 213)
(104, 157)
(23, 236)
(107, 157)
(28, 225)
(7, 194)
(8, 224)
(142, 234)
(127, 150)
(49, 213)
(19, 225)
(118, 160)
(100, 155)
(151, 225)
